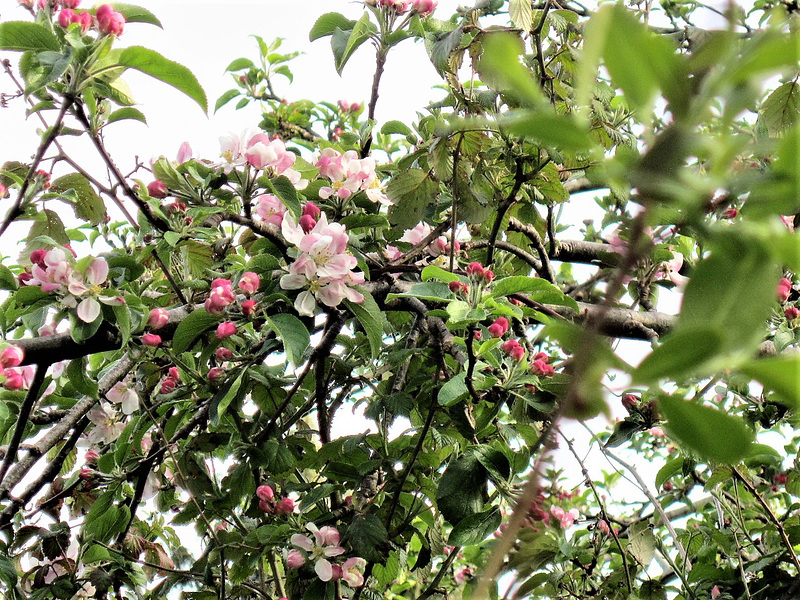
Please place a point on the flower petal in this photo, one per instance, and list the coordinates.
(323, 569)
(88, 310)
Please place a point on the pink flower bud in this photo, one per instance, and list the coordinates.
(518, 353)
(158, 318)
(730, 213)
(781, 478)
(457, 287)
(151, 339)
(784, 289)
(307, 223)
(157, 189)
(65, 17)
(509, 345)
(265, 506)
(285, 506)
(499, 328)
(294, 559)
(629, 401)
(24, 278)
(542, 369)
(223, 354)
(225, 330)
(312, 210)
(14, 380)
(715, 593)
(3, 191)
(265, 492)
(603, 527)
(37, 258)
(475, 269)
(109, 21)
(791, 312)
(168, 386)
(249, 282)
(173, 373)
(216, 375)
(91, 456)
(355, 107)
(11, 356)
(248, 307)
(85, 21)
(477, 335)
(488, 276)
(70, 3)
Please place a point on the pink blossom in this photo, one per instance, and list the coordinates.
(232, 148)
(158, 318)
(321, 548)
(88, 285)
(423, 7)
(221, 296)
(249, 282)
(125, 395)
(669, 270)
(225, 330)
(715, 593)
(462, 575)
(151, 339)
(185, 153)
(107, 427)
(270, 209)
(352, 571)
(264, 153)
(565, 519)
(416, 235)
(11, 356)
(657, 432)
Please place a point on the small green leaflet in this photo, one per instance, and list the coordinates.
(294, 335)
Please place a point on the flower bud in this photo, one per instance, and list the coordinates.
(307, 223)
(249, 282)
(248, 307)
(11, 356)
(216, 375)
(517, 353)
(784, 289)
(69, 3)
(542, 369)
(91, 456)
(312, 210)
(488, 276)
(109, 21)
(157, 189)
(168, 386)
(223, 354)
(475, 269)
(730, 213)
(14, 380)
(65, 18)
(265, 492)
(509, 345)
(151, 339)
(285, 506)
(225, 330)
(158, 318)
(791, 312)
(629, 401)
(295, 559)
(499, 328)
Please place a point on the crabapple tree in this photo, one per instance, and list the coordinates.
(183, 340)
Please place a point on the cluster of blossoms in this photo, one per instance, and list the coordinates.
(261, 152)
(564, 518)
(423, 7)
(323, 265)
(347, 107)
(222, 296)
(325, 545)
(349, 174)
(80, 286)
(269, 503)
(171, 381)
(109, 21)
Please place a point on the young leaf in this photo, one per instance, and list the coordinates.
(780, 374)
(683, 353)
(372, 320)
(521, 13)
(345, 42)
(192, 327)
(328, 23)
(714, 435)
(90, 206)
(461, 487)
(154, 64)
(412, 193)
(129, 113)
(781, 110)
(501, 68)
(136, 14)
(475, 528)
(21, 36)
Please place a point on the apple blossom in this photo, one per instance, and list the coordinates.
(125, 395)
(185, 153)
(248, 307)
(223, 354)
(262, 153)
(270, 209)
(565, 518)
(157, 189)
(88, 284)
(325, 545)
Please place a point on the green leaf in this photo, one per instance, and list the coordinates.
(77, 374)
(501, 68)
(240, 63)
(21, 36)
(537, 289)
(225, 98)
(412, 192)
(284, 189)
(368, 537)
(683, 353)
(461, 487)
(732, 291)
(521, 13)
(154, 64)
(431, 291)
(371, 318)
(561, 132)
(453, 390)
(779, 374)
(328, 23)
(294, 335)
(781, 109)
(712, 434)
(127, 113)
(345, 42)
(48, 223)
(136, 14)
(89, 205)
(398, 127)
(223, 398)
(672, 467)
(122, 313)
(475, 528)
(192, 327)
(641, 543)
(7, 279)
(434, 272)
